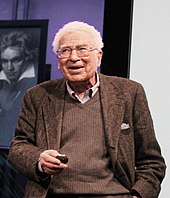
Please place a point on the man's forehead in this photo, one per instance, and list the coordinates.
(76, 38)
(74, 45)
(11, 52)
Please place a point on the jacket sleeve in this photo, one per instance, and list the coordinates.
(24, 152)
(149, 163)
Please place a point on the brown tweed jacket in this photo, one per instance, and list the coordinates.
(131, 142)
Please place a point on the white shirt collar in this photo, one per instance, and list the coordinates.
(89, 93)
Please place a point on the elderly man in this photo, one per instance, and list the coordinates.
(101, 124)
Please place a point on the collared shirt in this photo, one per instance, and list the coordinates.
(28, 73)
(89, 93)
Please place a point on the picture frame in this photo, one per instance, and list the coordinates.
(37, 30)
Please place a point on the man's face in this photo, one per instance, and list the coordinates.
(74, 67)
(12, 60)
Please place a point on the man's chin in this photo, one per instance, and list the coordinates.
(12, 79)
(76, 80)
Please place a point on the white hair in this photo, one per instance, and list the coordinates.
(76, 26)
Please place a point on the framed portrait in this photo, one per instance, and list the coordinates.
(22, 65)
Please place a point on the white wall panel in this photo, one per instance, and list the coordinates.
(150, 65)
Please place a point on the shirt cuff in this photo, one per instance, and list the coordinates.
(40, 167)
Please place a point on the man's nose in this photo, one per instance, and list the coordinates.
(73, 55)
(10, 65)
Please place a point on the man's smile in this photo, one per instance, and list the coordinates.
(75, 67)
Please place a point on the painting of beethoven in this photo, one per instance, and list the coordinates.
(18, 72)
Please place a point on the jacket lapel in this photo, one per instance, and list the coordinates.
(113, 107)
(53, 113)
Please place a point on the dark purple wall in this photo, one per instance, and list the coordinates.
(58, 12)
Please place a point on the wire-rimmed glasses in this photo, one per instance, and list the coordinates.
(65, 52)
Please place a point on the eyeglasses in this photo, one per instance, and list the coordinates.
(81, 51)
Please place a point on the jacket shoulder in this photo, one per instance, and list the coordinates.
(45, 89)
(46, 86)
(123, 84)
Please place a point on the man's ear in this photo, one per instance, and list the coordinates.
(58, 63)
(100, 55)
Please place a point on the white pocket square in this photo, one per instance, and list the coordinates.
(124, 126)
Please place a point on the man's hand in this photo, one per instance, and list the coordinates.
(49, 163)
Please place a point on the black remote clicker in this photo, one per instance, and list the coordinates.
(63, 158)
